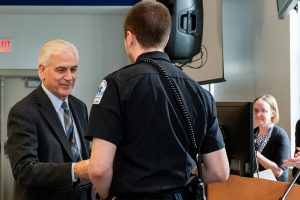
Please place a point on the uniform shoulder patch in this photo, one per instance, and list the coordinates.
(101, 89)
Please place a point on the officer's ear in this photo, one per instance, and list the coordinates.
(130, 39)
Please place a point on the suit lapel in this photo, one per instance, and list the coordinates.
(49, 113)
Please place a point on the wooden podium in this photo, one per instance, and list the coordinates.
(242, 188)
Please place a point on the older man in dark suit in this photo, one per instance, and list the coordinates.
(46, 147)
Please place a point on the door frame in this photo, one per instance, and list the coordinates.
(28, 75)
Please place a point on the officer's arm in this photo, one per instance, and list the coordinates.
(101, 166)
(215, 166)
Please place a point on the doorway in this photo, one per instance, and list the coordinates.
(15, 84)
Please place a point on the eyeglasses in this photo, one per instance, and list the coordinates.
(261, 111)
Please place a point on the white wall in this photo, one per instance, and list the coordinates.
(238, 53)
(295, 69)
(97, 32)
(256, 55)
(272, 58)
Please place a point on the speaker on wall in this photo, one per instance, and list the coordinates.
(187, 27)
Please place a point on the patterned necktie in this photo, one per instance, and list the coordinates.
(69, 128)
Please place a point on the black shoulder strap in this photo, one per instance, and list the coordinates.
(170, 85)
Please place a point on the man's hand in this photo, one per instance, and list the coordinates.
(293, 162)
(81, 169)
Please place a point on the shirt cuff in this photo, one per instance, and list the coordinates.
(74, 179)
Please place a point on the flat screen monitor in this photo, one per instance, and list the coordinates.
(236, 123)
(285, 6)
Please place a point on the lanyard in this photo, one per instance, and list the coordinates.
(262, 141)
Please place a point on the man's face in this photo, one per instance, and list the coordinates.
(60, 75)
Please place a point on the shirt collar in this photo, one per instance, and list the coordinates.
(155, 55)
(54, 99)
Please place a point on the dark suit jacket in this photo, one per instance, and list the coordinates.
(39, 152)
(297, 136)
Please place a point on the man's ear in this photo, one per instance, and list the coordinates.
(130, 38)
(41, 70)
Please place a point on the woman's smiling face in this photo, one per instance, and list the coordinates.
(263, 113)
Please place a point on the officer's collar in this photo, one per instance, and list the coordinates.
(156, 55)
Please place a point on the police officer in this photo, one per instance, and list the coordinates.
(140, 147)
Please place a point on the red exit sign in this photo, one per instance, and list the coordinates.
(5, 45)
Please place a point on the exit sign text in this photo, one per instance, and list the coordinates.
(5, 45)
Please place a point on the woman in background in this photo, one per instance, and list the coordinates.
(272, 142)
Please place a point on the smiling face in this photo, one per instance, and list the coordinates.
(60, 74)
(263, 113)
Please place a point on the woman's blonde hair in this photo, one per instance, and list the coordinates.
(273, 104)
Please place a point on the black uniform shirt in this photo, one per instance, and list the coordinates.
(133, 110)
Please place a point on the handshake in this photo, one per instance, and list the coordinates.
(81, 169)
